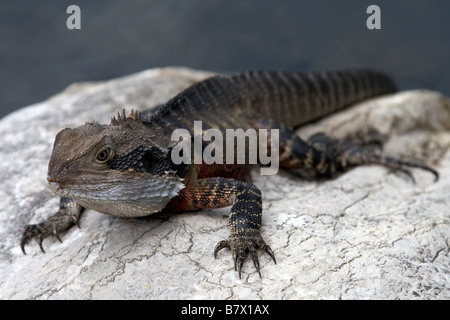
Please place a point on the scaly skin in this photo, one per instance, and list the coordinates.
(125, 168)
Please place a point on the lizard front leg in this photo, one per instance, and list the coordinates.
(244, 219)
(68, 214)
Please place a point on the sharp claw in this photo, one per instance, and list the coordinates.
(273, 256)
(257, 267)
(55, 233)
(27, 234)
(267, 250)
(76, 221)
(255, 259)
(22, 246)
(435, 173)
(222, 244)
(57, 237)
(41, 239)
(241, 263)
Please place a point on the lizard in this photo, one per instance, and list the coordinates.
(125, 168)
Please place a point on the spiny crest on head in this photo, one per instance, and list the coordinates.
(122, 117)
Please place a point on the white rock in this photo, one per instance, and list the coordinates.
(368, 234)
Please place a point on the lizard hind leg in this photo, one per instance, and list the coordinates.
(347, 154)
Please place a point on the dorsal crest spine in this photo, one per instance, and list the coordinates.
(122, 117)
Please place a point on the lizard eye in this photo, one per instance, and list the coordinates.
(103, 155)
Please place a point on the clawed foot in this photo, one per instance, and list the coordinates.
(68, 215)
(44, 229)
(350, 154)
(404, 165)
(241, 244)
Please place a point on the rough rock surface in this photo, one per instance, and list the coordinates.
(367, 234)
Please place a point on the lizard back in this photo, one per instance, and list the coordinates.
(292, 98)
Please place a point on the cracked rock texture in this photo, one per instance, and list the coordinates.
(367, 234)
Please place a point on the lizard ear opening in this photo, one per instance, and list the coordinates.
(158, 161)
(154, 160)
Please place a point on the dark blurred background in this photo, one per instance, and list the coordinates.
(39, 56)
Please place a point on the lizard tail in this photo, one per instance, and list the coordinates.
(296, 98)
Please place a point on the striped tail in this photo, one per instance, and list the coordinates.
(297, 98)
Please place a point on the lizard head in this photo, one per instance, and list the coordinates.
(114, 169)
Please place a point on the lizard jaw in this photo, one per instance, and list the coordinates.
(130, 198)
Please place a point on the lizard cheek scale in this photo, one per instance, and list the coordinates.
(125, 168)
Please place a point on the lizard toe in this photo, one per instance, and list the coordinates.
(35, 231)
(243, 244)
(54, 225)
